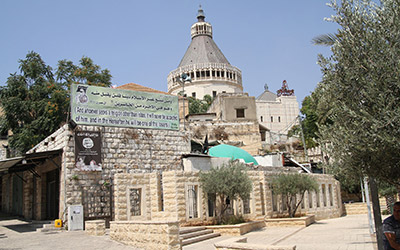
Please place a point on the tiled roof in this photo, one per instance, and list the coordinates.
(137, 87)
(267, 96)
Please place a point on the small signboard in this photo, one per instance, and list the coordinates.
(99, 106)
(88, 151)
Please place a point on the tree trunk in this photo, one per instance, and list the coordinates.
(377, 213)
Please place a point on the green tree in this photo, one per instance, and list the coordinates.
(308, 122)
(226, 181)
(360, 92)
(197, 106)
(291, 185)
(36, 101)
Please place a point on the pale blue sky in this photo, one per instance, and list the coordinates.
(142, 41)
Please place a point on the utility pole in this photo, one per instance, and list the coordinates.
(184, 78)
(302, 139)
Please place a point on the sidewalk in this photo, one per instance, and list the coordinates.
(349, 232)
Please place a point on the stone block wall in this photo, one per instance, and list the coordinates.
(147, 234)
(95, 227)
(124, 150)
(313, 203)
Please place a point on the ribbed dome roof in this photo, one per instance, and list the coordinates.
(203, 49)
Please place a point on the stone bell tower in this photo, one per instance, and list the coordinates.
(204, 63)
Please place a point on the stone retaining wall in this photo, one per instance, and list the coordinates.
(238, 229)
(147, 234)
(290, 222)
(95, 227)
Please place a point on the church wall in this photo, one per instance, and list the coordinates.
(284, 113)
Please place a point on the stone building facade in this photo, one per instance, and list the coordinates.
(277, 113)
(231, 119)
(124, 150)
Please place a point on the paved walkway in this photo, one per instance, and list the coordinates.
(349, 232)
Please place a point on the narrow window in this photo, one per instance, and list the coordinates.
(262, 119)
(246, 206)
(222, 74)
(284, 204)
(211, 204)
(274, 201)
(197, 74)
(324, 194)
(192, 191)
(214, 93)
(330, 194)
(208, 73)
(279, 119)
(194, 94)
(218, 73)
(135, 196)
(272, 119)
(239, 113)
(213, 73)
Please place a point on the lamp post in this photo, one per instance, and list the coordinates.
(184, 78)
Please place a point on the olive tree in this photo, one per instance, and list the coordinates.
(360, 92)
(226, 181)
(291, 185)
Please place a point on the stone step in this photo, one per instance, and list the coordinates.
(188, 241)
(186, 230)
(196, 233)
(49, 228)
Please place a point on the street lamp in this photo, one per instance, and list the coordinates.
(184, 78)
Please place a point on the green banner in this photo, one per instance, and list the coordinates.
(99, 106)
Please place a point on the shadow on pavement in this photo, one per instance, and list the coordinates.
(22, 228)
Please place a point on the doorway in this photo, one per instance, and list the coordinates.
(52, 194)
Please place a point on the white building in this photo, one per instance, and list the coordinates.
(278, 113)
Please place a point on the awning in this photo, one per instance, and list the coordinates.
(26, 162)
(6, 164)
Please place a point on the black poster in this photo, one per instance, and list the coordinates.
(87, 151)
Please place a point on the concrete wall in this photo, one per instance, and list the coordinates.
(193, 164)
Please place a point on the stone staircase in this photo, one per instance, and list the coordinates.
(361, 208)
(192, 235)
(47, 227)
(356, 208)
